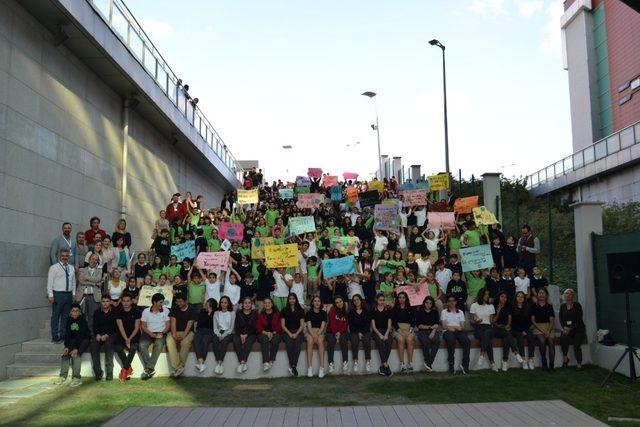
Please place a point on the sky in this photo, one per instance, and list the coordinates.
(274, 73)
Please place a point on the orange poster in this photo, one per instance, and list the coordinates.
(465, 204)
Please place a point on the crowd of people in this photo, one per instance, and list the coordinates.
(96, 281)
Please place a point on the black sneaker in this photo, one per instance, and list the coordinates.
(98, 376)
(55, 339)
(152, 372)
(464, 370)
(294, 371)
(145, 375)
(381, 371)
(451, 370)
(389, 372)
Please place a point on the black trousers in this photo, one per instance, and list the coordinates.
(508, 343)
(243, 348)
(462, 338)
(294, 346)
(484, 334)
(343, 341)
(220, 346)
(125, 354)
(201, 341)
(384, 347)
(429, 345)
(355, 344)
(108, 346)
(269, 347)
(522, 338)
(575, 339)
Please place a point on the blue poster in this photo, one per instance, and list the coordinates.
(338, 266)
(286, 193)
(184, 250)
(336, 193)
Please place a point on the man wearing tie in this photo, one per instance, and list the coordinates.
(89, 289)
(61, 287)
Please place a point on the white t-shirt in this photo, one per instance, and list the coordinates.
(424, 265)
(282, 290)
(452, 319)
(421, 217)
(313, 249)
(298, 289)
(483, 312)
(302, 268)
(354, 288)
(155, 321)
(212, 290)
(233, 292)
(381, 243)
(522, 284)
(443, 277)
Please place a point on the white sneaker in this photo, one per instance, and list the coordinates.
(239, 368)
(201, 367)
(532, 364)
(345, 368)
(480, 363)
(494, 367)
(356, 368)
(309, 372)
(59, 381)
(505, 366)
(321, 373)
(367, 366)
(427, 367)
(75, 382)
(244, 367)
(178, 371)
(331, 368)
(266, 366)
(219, 369)
(525, 366)
(519, 358)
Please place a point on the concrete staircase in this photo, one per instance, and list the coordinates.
(37, 358)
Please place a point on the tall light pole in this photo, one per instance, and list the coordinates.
(376, 127)
(435, 42)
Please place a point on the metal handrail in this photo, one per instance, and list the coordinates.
(120, 20)
(600, 149)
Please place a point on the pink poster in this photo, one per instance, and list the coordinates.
(310, 201)
(213, 260)
(350, 175)
(441, 219)
(314, 173)
(230, 231)
(415, 297)
(330, 180)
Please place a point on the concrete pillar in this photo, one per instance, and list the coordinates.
(397, 168)
(491, 193)
(386, 167)
(415, 173)
(587, 219)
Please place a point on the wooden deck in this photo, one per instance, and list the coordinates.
(536, 413)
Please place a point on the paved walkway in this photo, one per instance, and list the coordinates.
(13, 390)
(538, 413)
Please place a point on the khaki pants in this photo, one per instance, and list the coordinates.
(176, 357)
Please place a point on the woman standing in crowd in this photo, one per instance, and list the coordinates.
(428, 323)
(292, 322)
(269, 330)
(338, 332)
(360, 332)
(315, 326)
(115, 287)
(245, 333)
(543, 318)
(121, 259)
(382, 327)
(573, 328)
(204, 333)
(403, 324)
(452, 319)
(224, 320)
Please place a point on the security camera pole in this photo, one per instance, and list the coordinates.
(376, 127)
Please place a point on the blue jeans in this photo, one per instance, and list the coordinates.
(60, 313)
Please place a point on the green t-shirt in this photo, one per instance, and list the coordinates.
(278, 240)
(474, 284)
(172, 271)
(214, 245)
(156, 272)
(386, 287)
(263, 230)
(331, 231)
(270, 216)
(454, 243)
(312, 271)
(196, 293)
(207, 229)
(245, 252)
(433, 289)
(473, 237)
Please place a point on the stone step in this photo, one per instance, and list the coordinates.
(42, 346)
(18, 370)
(37, 358)
(45, 333)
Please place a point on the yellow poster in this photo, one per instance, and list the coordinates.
(247, 197)
(257, 246)
(438, 182)
(281, 256)
(146, 292)
(376, 185)
(483, 216)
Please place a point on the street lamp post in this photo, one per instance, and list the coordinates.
(435, 42)
(376, 127)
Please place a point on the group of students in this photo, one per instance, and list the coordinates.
(248, 302)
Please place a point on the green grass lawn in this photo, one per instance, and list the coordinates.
(94, 403)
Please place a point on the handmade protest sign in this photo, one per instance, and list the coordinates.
(386, 218)
(247, 197)
(147, 292)
(231, 231)
(438, 182)
(465, 204)
(310, 201)
(303, 181)
(184, 250)
(329, 180)
(352, 194)
(476, 258)
(314, 173)
(415, 297)
(301, 225)
(483, 216)
(422, 185)
(415, 198)
(213, 260)
(376, 185)
(338, 266)
(281, 256)
(225, 245)
(257, 246)
(345, 244)
(286, 193)
(302, 190)
(441, 220)
(336, 193)
(350, 175)
(369, 198)
(408, 186)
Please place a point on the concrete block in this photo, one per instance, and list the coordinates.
(72, 210)
(51, 116)
(14, 220)
(69, 154)
(7, 352)
(25, 324)
(21, 193)
(42, 346)
(27, 36)
(25, 69)
(18, 293)
(22, 98)
(5, 53)
(4, 87)
(6, 21)
(23, 260)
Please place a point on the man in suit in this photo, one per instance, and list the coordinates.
(89, 289)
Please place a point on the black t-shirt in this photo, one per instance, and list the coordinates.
(341, 290)
(503, 316)
(292, 318)
(183, 317)
(510, 254)
(141, 271)
(403, 315)
(537, 284)
(316, 319)
(359, 322)
(162, 246)
(201, 244)
(381, 319)
(128, 319)
(326, 296)
(521, 319)
(427, 319)
(247, 290)
(542, 313)
(205, 320)
(413, 267)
